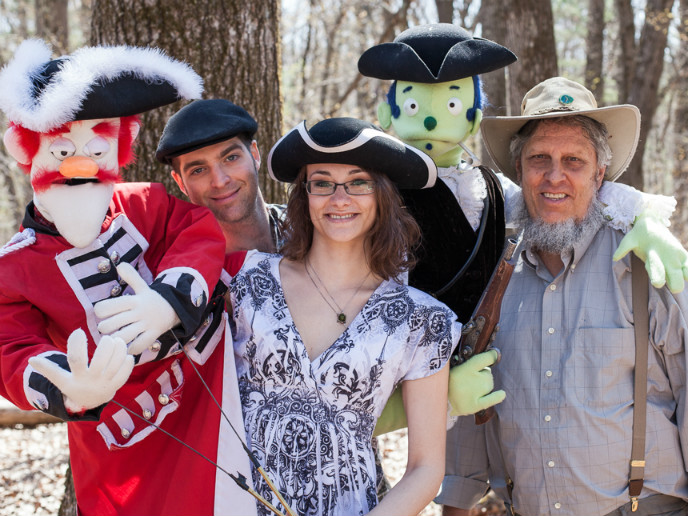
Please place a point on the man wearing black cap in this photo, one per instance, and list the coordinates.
(215, 161)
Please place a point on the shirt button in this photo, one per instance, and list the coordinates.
(164, 399)
(557, 505)
(553, 287)
(147, 414)
(114, 257)
(116, 290)
(104, 266)
(550, 331)
(573, 265)
(155, 347)
(125, 433)
(548, 418)
(551, 465)
(548, 373)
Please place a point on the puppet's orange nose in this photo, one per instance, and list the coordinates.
(78, 166)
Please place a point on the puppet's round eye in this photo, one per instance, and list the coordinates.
(97, 147)
(62, 148)
(455, 106)
(410, 107)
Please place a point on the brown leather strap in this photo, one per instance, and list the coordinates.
(640, 292)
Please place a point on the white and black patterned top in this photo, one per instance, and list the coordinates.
(310, 422)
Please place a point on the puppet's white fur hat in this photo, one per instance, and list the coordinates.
(40, 93)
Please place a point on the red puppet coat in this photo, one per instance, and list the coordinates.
(122, 465)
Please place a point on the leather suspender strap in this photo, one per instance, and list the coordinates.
(640, 293)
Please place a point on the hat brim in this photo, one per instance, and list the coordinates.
(370, 149)
(622, 123)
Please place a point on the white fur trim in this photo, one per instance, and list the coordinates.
(63, 97)
(470, 191)
(624, 203)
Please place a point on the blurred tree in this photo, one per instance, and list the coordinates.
(52, 23)
(594, 77)
(234, 45)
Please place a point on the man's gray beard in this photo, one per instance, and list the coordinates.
(559, 237)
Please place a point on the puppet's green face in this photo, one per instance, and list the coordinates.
(433, 117)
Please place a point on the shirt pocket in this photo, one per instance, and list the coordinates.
(604, 360)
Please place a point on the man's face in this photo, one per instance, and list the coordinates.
(559, 173)
(223, 177)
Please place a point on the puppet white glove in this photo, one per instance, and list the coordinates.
(665, 258)
(137, 319)
(87, 386)
(471, 384)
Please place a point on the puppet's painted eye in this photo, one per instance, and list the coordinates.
(62, 148)
(97, 147)
(410, 107)
(455, 106)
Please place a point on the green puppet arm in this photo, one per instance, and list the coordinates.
(471, 384)
(470, 391)
(393, 416)
(665, 258)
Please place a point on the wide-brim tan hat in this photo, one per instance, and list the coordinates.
(560, 97)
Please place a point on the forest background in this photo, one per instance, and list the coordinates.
(290, 60)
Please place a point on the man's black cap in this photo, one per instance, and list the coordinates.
(203, 123)
(433, 53)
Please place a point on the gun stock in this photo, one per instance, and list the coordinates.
(479, 332)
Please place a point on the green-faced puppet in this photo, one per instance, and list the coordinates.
(434, 104)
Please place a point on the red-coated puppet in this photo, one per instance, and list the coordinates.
(105, 275)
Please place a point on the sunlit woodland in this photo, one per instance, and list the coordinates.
(296, 59)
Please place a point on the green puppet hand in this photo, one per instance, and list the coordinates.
(393, 416)
(471, 384)
(665, 258)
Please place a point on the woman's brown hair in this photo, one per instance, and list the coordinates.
(390, 243)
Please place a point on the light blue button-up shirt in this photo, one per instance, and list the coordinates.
(567, 365)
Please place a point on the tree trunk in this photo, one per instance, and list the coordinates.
(445, 10)
(648, 69)
(494, 83)
(624, 13)
(52, 24)
(233, 45)
(680, 116)
(530, 35)
(594, 49)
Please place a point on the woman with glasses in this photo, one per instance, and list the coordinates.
(325, 331)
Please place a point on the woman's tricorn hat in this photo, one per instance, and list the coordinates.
(438, 52)
(40, 93)
(352, 142)
(559, 97)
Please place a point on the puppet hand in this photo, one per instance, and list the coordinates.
(471, 384)
(138, 319)
(86, 386)
(665, 258)
(393, 416)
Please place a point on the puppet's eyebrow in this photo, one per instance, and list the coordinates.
(454, 87)
(408, 88)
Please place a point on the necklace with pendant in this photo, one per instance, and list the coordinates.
(339, 312)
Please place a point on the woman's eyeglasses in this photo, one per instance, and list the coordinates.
(355, 187)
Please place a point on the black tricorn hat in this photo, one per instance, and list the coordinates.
(41, 93)
(353, 142)
(438, 52)
(203, 123)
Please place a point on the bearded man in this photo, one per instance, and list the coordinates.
(561, 442)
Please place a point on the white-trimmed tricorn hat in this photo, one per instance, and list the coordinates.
(353, 142)
(561, 97)
(41, 93)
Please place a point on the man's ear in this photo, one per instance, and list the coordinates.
(178, 179)
(600, 176)
(384, 115)
(14, 147)
(255, 153)
(476, 122)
